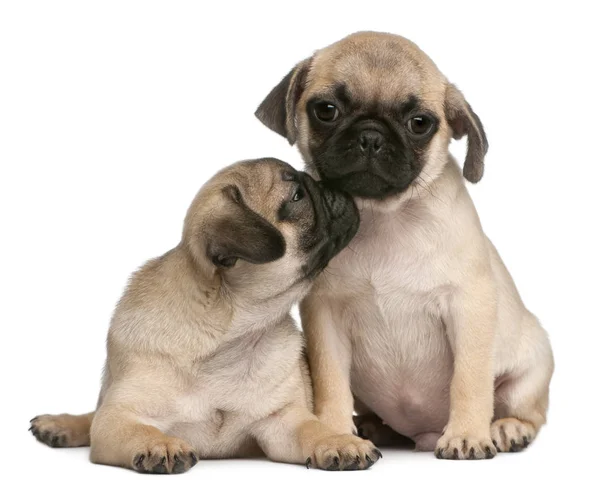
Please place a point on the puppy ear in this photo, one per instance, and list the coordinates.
(463, 121)
(240, 233)
(278, 110)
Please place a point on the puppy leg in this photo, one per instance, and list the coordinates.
(470, 324)
(119, 438)
(521, 399)
(329, 356)
(294, 435)
(62, 430)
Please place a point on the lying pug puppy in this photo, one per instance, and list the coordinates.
(419, 321)
(204, 360)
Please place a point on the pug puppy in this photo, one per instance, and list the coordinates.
(204, 359)
(419, 321)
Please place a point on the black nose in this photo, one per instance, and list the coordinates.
(370, 141)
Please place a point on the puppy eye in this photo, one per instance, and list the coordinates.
(299, 195)
(420, 125)
(326, 112)
(224, 261)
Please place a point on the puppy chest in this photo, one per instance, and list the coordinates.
(394, 271)
(405, 331)
(215, 401)
(250, 377)
(392, 302)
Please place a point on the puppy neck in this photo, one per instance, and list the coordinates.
(251, 314)
(244, 303)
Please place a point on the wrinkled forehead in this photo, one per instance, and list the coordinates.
(376, 68)
(264, 184)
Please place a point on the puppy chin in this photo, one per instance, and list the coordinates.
(420, 186)
(364, 184)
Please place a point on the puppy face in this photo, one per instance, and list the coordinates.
(372, 115)
(265, 227)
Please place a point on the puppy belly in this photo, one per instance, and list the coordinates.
(410, 408)
(404, 376)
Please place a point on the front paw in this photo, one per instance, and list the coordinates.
(465, 447)
(164, 456)
(343, 452)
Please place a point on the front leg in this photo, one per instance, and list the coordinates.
(329, 356)
(295, 435)
(471, 325)
(122, 434)
(119, 437)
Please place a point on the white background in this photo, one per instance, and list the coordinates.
(112, 115)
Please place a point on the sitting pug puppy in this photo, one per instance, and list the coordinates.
(419, 321)
(204, 360)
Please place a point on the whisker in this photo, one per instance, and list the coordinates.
(329, 272)
(429, 184)
(424, 186)
(415, 187)
(352, 249)
(324, 275)
(372, 210)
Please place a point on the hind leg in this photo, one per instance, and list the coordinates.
(371, 427)
(62, 430)
(521, 399)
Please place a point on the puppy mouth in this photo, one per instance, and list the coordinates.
(336, 222)
(327, 250)
(367, 184)
(368, 176)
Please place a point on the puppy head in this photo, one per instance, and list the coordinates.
(266, 228)
(372, 114)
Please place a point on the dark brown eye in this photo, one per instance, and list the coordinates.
(420, 125)
(299, 195)
(326, 112)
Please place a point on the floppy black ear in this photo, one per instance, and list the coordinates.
(463, 121)
(240, 233)
(278, 110)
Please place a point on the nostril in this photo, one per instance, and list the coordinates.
(377, 141)
(370, 140)
(363, 143)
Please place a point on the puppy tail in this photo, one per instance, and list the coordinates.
(62, 430)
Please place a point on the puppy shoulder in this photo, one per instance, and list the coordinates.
(149, 302)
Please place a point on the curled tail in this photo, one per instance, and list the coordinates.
(62, 430)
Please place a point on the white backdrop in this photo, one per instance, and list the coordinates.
(113, 113)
